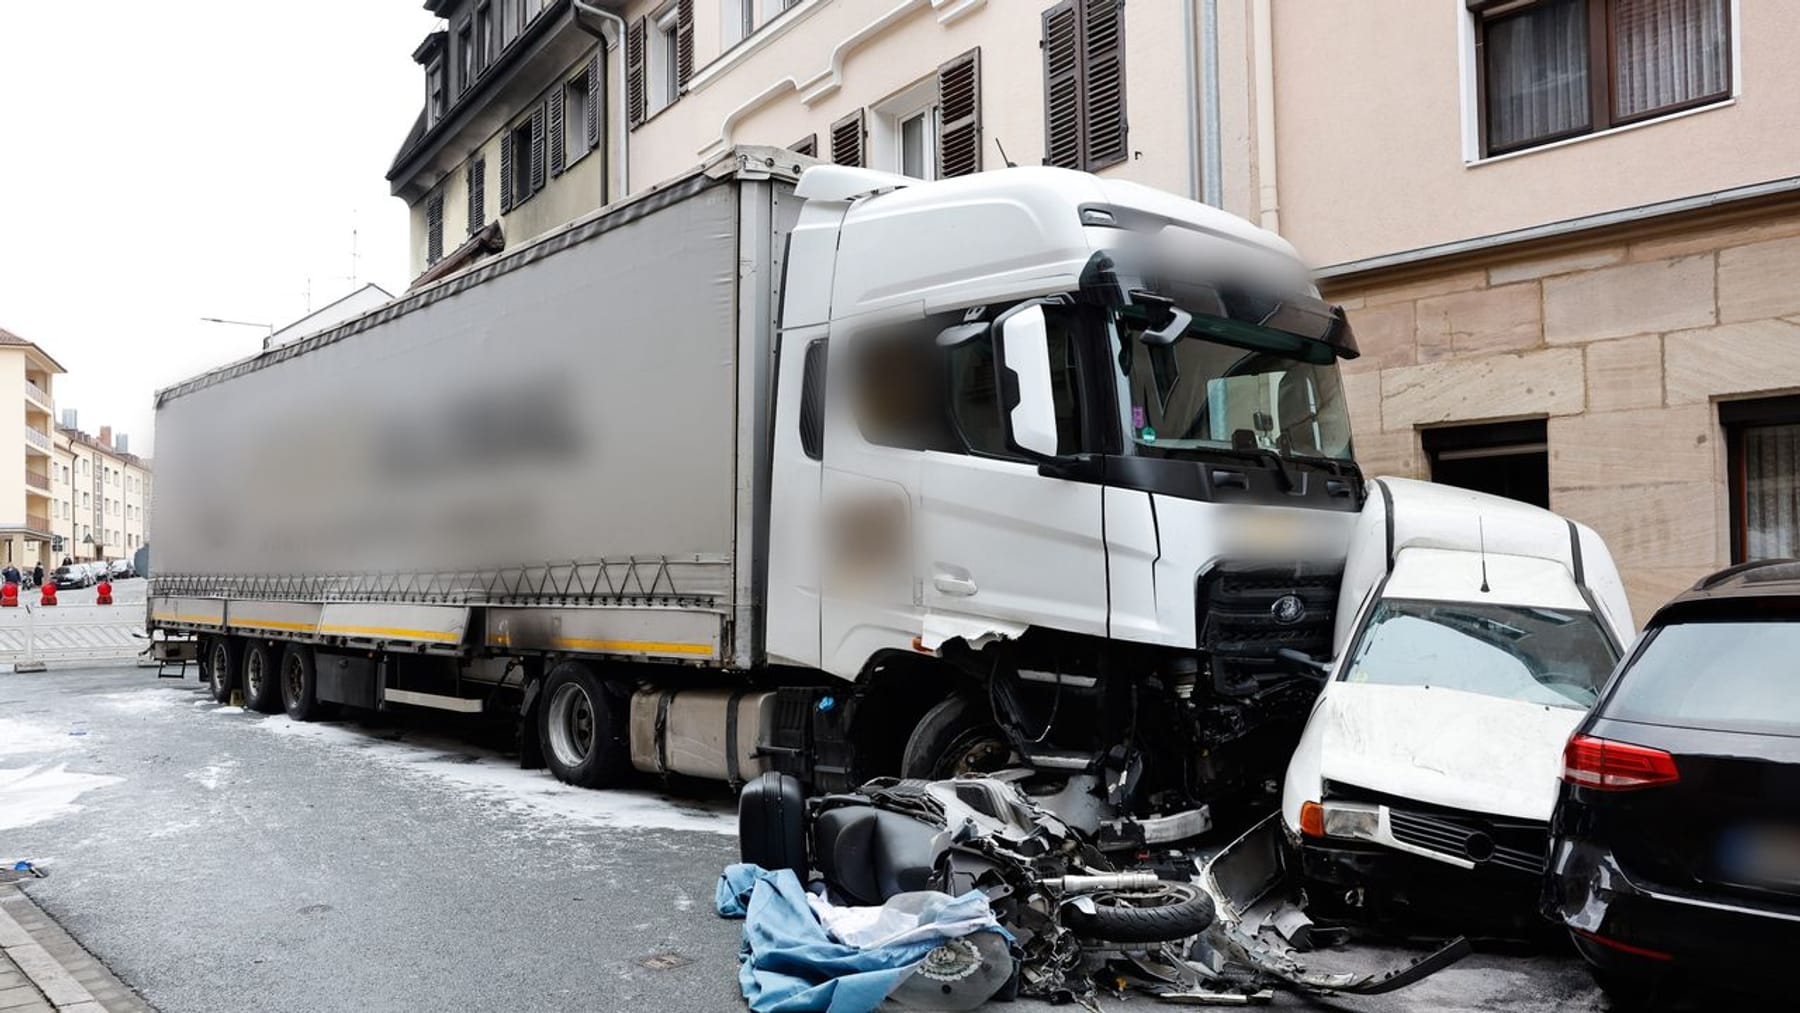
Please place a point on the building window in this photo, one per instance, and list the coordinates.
(905, 131)
(1561, 68)
(465, 56)
(665, 59)
(434, 91)
(737, 21)
(1508, 459)
(575, 116)
(1084, 84)
(484, 36)
(477, 187)
(808, 146)
(1763, 472)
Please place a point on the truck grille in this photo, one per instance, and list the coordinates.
(1242, 610)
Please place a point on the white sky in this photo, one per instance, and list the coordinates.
(194, 158)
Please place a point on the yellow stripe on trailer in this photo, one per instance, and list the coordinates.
(619, 646)
(271, 624)
(391, 633)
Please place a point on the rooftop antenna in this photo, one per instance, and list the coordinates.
(1010, 164)
(1481, 534)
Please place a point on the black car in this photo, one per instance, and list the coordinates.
(1675, 846)
(72, 576)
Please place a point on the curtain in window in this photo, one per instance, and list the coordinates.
(1771, 491)
(1537, 73)
(1667, 52)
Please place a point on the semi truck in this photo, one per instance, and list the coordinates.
(805, 467)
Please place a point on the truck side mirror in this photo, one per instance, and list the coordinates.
(1025, 379)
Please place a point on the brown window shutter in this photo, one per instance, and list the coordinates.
(808, 145)
(595, 97)
(506, 171)
(847, 139)
(959, 116)
(634, 73)
(684, 45)
(559, 151)
(537, 149)
(434, 228)
(1103, 83)
(477, 194)
(1062, 86)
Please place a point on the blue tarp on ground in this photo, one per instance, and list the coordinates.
(791, 964)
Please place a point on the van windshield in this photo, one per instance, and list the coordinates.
(1229, 386)
(1536, 655)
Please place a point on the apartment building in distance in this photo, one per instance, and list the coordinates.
(27, 381)
(1567, 231)
(102, 499)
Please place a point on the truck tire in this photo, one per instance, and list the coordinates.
(262, 687)
(772, 823)
(958, 736)
(300, 685)
(1173, 911)
(582, 723)
(220, 660)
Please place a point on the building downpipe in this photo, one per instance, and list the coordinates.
(1268, 194)
(1195, 144)
(584, 11)
(1212, 137)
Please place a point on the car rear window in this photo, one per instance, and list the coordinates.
(1732, 676)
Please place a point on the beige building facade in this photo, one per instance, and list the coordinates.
(108, 495)
(27, 381)
(1567, 231)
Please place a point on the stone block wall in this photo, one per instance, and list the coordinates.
(1625, 346)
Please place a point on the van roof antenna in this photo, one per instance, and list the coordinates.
(1010, 164)
(1481, 535)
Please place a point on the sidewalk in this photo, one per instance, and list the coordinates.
(44, 970)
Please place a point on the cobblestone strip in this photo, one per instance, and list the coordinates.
(43, 968)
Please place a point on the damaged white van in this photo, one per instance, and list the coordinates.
(1473, 633)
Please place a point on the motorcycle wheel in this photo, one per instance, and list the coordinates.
(1169, 912)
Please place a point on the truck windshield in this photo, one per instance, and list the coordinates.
(1535, 655)
(1229, 386)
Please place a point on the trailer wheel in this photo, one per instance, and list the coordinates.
(582, 725)
(958, 736)
(300, 685)
(221, 656)
(261, 692)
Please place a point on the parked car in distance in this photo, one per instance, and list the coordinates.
(1474, 634)
(73, 575)
(1675, 847)
(119, 569)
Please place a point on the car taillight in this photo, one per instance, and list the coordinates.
(1616, 766)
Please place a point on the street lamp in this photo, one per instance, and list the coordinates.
(269, 329)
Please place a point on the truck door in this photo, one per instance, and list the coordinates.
(999, 541)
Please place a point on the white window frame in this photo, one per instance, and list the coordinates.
(662, 56)
(888, 119)
(575, 138)
(1468, 71)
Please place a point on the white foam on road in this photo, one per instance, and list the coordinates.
(531, 792)
(144, 700)
(25, 738)
(34, 794)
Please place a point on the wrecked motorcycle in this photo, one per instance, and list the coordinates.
(1081, 918)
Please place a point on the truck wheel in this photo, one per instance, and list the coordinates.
(261, 693)
(582, 725)
(958, 736)
(221, 667)
(300, 685)
(1172, 911)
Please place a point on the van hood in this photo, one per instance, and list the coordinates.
(1445, 747)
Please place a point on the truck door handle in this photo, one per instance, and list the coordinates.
(953, 585)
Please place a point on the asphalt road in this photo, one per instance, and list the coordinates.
(219, 860)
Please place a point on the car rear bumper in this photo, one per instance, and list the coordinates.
(1621, 924)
